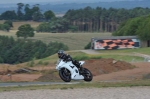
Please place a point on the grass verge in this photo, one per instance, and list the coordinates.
(128, 51)
(80, 85)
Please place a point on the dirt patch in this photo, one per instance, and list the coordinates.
(20, 77)
(18, 73)
(105, 66)
(129, 74)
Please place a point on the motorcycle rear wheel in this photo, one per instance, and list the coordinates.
(65, 75)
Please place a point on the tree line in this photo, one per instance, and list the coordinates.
(26, 12)
(101, 19)
(92, 20)
(19, 51)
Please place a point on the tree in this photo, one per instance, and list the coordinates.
(37, 15)
(1, 60)
(59, 25)
(136, 26)
(43, 27)
(9, 23)
(129, 27)
(4, 27)
(143, 30)
(88, 46)
(9, 15)
(55, 25)
(28, 12)
(19, 11)
(49, 14)
(25, 31)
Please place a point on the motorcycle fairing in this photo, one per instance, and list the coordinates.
(72, 68)
(81, 62)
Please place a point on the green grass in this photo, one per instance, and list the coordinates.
(80, 85)
(123, 55)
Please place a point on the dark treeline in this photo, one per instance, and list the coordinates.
(26, 12)
(92, 20)
(101, 19)
(20, 51)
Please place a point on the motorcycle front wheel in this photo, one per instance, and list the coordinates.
(65, 75)
(87, 75)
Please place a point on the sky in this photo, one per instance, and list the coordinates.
(57, 1)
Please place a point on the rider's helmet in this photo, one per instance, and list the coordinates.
(60, 53)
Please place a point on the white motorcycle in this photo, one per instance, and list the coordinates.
(68, 71)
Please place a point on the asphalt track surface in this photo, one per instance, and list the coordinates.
(33, 83)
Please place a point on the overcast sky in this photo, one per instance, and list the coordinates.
(55, 1)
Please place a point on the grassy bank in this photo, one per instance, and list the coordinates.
(128, 51)
(124, 55)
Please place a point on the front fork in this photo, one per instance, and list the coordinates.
(81, 70)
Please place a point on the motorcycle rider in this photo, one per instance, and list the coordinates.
(67, 57)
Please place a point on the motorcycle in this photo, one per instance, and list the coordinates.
(68, 71)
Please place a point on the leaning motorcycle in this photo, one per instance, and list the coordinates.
(68, 71)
